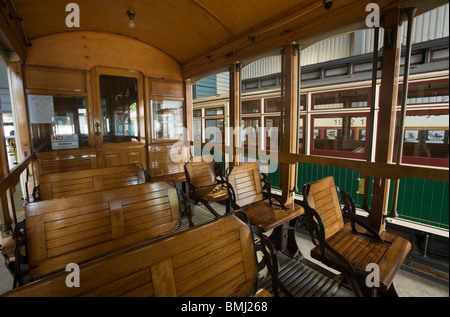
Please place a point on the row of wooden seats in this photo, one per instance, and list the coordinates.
(98, 211)
(67, 230)
(213, 259)
(360, 247)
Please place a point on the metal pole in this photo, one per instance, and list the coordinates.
(369, 134)
(410, 13)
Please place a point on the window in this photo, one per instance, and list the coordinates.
(426, 138)
(341, 99)
(339, 135)
(251, 106)
(58, 122)
(301, 134)
(214, 130)
(271, 133)
(214, 111)
(250, 128)
(118, 97)
(426, 93)
(167, 120)
(272, 105)
(197, 130)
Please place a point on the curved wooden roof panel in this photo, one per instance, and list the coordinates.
(199, 34)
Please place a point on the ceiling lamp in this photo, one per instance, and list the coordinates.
(131, 15)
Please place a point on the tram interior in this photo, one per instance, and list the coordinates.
(102, 112)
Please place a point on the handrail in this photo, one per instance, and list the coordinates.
(9, 181)
(371, 169)
(13, 177)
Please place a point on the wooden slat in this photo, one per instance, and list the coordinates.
(323, 196)
(163, 280)
(57, 185)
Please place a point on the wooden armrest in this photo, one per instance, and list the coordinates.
(263, 293)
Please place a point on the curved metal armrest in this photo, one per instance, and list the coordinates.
(349, 211)
(268, 187)
(269, 260)
(317, 231)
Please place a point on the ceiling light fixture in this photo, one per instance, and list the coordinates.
(131, 15)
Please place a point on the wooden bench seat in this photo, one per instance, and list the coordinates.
(267, 213)
(78, 228)
(67, 184)
(213, 259)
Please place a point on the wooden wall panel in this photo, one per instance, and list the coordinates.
(166, 88)
(54, 79)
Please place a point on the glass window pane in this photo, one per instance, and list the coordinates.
(214, 130)
(425, 136)
(431, 92)
(272, 105)
(197, 130)
(303, 102)
(271, 133)
(167, 119)
(58, 123)
(301, 134)
(341, 99)
(118, 96)
(251, 106)
(214, 111)
(250, 128)
(339, 133)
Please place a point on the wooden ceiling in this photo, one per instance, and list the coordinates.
(199, 34)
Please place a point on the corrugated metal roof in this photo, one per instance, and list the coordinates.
(428, 26)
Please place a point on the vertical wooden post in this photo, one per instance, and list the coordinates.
(20, 107)
(188, 112)
(235, 110)
(386, 118)
(289, 118)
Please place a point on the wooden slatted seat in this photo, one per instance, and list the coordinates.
(247, 194)
(204, 186)
(213, 259)
(66, 184)
(350, 247)
(78, 228)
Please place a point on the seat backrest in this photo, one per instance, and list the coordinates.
(323, 198)
(246, 183)
(67, 184)
(166, 160)
(78, 228)
(201, 171)
(213, 259)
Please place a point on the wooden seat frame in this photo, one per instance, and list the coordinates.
(263, 209)
(368, 245)
(206, 183)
